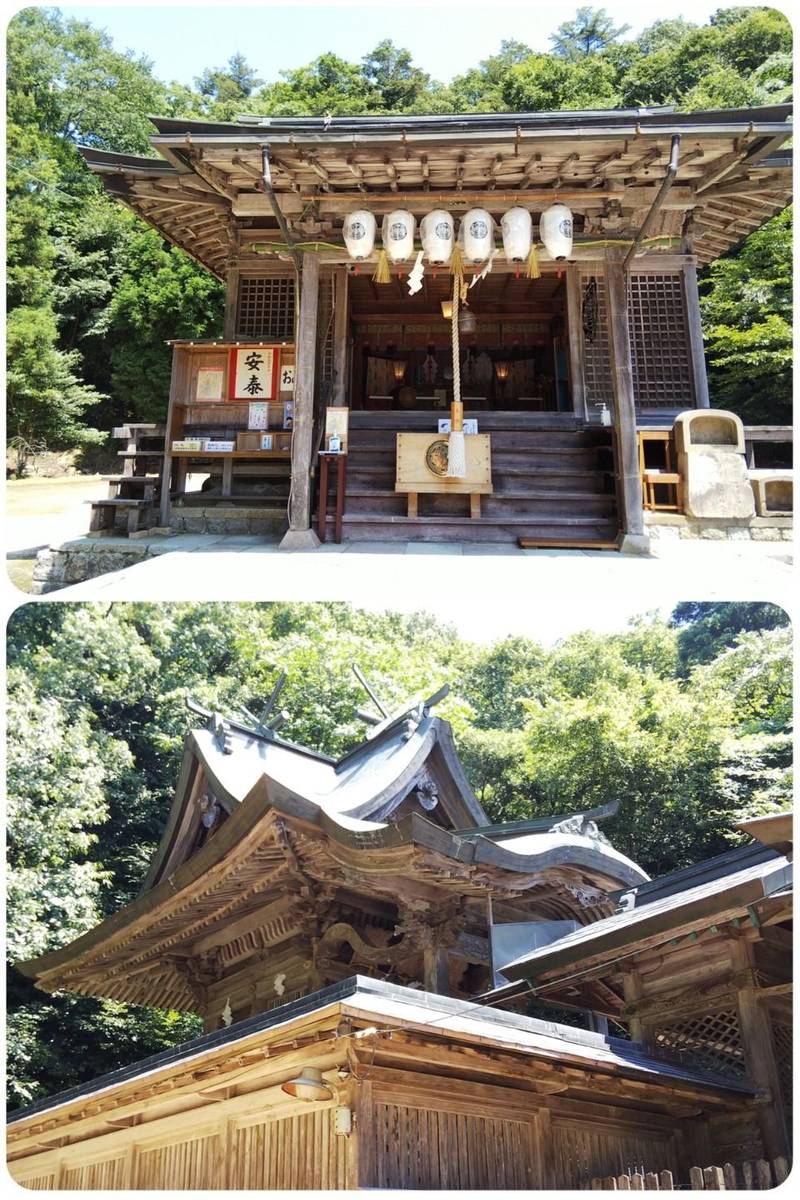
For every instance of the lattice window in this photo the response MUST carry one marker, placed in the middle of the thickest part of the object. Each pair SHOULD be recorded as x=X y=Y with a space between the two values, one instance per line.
x=711 y=1041
x=661 y=359
x=596 y=349
x=782 y=1038
x=265 y=308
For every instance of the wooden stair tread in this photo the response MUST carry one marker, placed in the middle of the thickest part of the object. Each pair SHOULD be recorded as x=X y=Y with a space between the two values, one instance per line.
x=140 y=454
x=120 y=502
x=154 y=479
x=528 y=519
x=564 y=544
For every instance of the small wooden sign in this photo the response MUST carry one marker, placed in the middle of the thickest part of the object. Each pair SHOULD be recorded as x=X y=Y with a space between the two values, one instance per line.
x=210 y=382
x=337 y=424
x=287 y=377
x=253 y=373
x=258 y=415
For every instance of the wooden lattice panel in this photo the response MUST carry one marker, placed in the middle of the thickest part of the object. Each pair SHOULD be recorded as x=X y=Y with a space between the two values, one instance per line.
x=325 y=338
x=660 y=354
x=596 y=348
x=265 y=308
x=710 y=1041
x=782 y=1038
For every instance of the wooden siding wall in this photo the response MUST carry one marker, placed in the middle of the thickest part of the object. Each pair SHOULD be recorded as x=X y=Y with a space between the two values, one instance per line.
x=292 y=1152
x=581 y=1151
x=427 y=1148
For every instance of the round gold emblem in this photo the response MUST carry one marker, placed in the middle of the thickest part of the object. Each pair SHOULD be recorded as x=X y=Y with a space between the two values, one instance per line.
x=436 y=457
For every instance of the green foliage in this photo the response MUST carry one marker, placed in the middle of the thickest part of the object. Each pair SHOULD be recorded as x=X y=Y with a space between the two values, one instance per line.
x=708 y=628
x=746 y=301
x=686 y=723
x=592 y=29
x=544 y=83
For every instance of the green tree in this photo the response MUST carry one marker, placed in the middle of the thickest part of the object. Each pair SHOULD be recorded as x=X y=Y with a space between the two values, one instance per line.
x=746 y=302
x=590 y=30
x=544 y=83
x=391 y=73
x=707 y=628
x=225 y=92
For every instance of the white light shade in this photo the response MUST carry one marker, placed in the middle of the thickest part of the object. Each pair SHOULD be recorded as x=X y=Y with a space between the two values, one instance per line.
x=359 y=234
x=516 y=226
x=477 y=235
x=555 y=230
x=308 y=1085
x=398 y=235
x=437 y=232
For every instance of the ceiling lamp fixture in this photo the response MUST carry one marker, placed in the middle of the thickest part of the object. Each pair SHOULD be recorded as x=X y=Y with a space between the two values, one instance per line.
x=399 y=369
x=501 y=370
x=308 y=1085
x=477 y=235
x=447 y=310
x=437 y=232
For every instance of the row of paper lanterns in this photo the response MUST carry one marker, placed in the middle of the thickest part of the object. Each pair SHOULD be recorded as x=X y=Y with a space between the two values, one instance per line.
x=475 y=235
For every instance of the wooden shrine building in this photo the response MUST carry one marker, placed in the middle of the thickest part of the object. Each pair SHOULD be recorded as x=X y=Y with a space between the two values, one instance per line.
x=559 y=359
x=362 y=942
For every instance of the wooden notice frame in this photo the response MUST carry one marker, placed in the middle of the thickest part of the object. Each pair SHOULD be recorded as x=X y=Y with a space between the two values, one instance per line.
x=210 y=384
x=337 y=421
x=253 y=373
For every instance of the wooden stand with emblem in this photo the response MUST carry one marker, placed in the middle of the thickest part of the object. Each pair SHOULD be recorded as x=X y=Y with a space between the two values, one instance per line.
x=422 y=467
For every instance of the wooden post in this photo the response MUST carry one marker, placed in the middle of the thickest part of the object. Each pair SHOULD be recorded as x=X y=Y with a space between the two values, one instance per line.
x=694 y=327
x=759 y=1052
x=165 y=506
x=435 y=968
x=340 y=332
x=575 y=341
x=629 y=493
x=231 y=301
x=301 y=536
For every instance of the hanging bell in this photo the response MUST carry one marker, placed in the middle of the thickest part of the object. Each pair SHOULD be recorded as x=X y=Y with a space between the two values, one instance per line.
x=398 y=235
x=477 y=235
x=555 y=230
x=359 y=234
x=437 y=232
x=516 y=226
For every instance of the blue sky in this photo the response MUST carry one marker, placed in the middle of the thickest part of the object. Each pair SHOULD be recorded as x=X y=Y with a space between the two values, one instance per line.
x=445 y=38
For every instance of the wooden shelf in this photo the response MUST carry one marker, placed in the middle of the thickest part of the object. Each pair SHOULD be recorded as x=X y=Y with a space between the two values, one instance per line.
x=212 y=454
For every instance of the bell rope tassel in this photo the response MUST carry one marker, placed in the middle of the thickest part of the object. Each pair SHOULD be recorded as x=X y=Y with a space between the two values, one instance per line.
x=457 y=261
x=382 y=272
x=456 y=446
x=533 y=263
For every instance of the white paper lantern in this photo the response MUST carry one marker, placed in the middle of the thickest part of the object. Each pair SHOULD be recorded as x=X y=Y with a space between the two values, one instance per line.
x=398 y=235
x=516 y=226
x=359 y=234
x=477 y=235
x=437 y=232
x=555 y=230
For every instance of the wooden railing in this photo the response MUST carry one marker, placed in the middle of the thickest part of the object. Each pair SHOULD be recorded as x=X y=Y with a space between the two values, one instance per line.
x=755 y=1176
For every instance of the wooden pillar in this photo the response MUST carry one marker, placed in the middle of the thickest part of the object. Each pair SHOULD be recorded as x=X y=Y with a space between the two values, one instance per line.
x=629 y=490
x=165 y=504
x=436 y=974
x=575 y=341
x=229 y=329
x=341 y=326
x=759 y=1052
x=300 y=535
x=694 y=329
x=632 y=991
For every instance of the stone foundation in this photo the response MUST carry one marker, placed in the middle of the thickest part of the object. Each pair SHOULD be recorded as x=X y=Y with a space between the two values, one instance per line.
x=663 y=526
x=73 y=562
x=228 y=518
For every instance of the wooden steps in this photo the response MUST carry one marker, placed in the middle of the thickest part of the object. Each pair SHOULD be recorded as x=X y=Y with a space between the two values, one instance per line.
x=135 y=493
x=553 y=484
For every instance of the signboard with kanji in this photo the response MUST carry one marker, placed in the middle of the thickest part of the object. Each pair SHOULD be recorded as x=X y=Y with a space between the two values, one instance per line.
x=253 y=373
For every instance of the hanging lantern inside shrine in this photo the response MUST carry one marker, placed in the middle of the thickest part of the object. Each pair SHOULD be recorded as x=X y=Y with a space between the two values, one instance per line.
x=477 y=235
x=516 y=226
x=398 y=235
x=555 y=230
x=437 y=232
x=359 y=234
